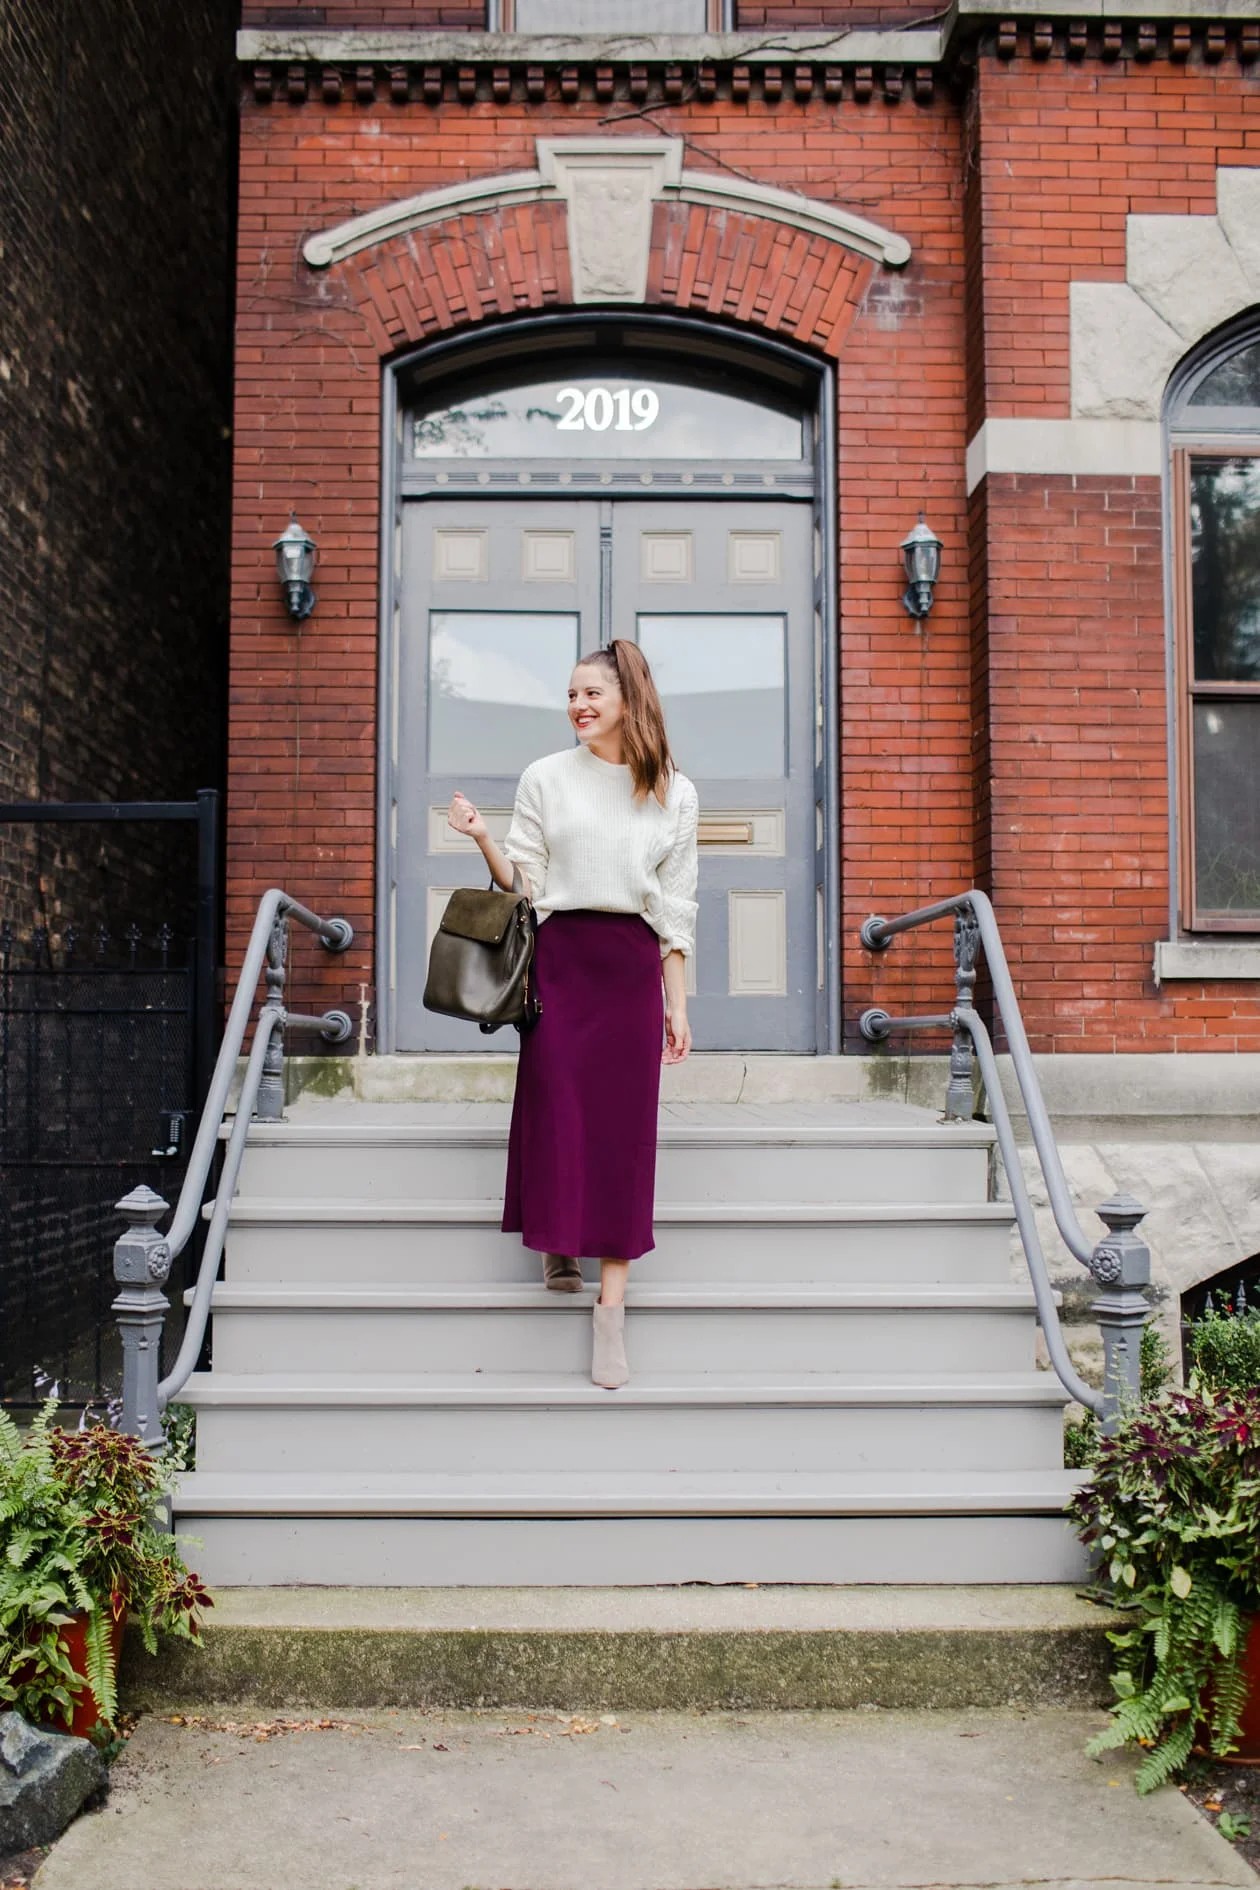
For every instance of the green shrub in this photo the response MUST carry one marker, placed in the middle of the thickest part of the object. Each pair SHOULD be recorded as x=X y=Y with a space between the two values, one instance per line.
x=1223 y=1349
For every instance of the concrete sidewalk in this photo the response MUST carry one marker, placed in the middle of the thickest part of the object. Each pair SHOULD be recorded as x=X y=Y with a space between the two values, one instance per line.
x=400 y=1800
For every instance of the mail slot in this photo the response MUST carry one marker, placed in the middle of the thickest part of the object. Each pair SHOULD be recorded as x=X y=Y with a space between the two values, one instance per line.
x=725 y=833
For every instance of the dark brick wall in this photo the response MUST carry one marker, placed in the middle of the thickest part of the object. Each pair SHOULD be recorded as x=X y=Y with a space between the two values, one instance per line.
x=116 y=189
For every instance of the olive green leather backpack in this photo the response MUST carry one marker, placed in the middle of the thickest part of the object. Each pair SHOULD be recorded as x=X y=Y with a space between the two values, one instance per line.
x=482 y=959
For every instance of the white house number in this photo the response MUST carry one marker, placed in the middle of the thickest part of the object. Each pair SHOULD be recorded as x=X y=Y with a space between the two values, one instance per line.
x=596 y=409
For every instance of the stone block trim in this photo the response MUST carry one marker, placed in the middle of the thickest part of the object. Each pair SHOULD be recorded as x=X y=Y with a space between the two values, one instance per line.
x=1184 y=276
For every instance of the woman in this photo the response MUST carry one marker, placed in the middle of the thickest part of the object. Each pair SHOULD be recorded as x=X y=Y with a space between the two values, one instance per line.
x=604 y=835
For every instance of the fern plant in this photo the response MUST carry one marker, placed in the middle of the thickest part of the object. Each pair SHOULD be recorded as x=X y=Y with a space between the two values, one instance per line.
x=80 y=1537
x=1173 y=1512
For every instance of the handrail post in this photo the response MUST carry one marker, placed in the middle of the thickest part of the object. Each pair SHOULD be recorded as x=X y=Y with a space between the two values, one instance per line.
x=1121 y=1264
x=960 y=1096
x=270 y=1105
x=142 y=1261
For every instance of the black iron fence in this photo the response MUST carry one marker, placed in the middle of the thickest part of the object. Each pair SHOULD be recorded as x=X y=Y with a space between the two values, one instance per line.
x=106 y=1041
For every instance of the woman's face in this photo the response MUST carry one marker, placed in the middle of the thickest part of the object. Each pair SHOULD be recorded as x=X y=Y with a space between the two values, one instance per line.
x=595 y=703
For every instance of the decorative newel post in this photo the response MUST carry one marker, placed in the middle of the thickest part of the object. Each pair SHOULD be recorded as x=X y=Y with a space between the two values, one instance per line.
x=1121 y=1264
x=142 y=1260
x=270 y=1106
x=960 y=1097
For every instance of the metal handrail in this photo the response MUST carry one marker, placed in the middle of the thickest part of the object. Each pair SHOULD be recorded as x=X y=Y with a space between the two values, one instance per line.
x=1120 y=1261
x=143 y=1257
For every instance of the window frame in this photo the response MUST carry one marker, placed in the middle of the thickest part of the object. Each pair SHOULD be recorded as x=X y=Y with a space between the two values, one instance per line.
x=1208 y=432
x=1189 y=692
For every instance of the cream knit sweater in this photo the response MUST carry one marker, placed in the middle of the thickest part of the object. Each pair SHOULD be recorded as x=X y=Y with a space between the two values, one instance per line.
x=587 y=844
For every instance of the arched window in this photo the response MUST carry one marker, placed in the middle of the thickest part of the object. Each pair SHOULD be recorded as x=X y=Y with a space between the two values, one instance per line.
x=1214 y=436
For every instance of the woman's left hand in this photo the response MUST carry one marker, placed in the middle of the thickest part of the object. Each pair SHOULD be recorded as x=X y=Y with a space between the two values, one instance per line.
x=677 y=1035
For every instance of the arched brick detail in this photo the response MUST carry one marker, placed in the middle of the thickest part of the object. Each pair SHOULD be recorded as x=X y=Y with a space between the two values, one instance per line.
x=468 y=270
x=806 y=288
x=711 y=261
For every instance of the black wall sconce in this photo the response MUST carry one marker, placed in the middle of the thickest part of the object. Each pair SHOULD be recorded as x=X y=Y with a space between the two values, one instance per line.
x=921 y=555
x=296 y=555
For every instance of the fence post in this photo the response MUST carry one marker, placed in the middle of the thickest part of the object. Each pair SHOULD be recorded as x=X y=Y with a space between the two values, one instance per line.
x=960 y=1097
x=1121 y=1264
x=270 y=1105
x=142 y=1261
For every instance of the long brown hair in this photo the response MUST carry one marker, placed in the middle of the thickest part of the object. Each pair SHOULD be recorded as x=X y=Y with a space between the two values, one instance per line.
x=643 y=739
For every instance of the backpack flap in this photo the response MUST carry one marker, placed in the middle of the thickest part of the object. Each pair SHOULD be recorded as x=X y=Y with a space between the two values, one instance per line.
x=484 y=917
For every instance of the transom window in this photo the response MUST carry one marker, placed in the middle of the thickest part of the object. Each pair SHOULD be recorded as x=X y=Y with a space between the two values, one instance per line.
x=621 y=410
x=1215 y=433
x=607 y=407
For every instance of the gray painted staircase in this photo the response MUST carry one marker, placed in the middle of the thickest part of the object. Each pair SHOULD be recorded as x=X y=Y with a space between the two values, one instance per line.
x=834 y=1375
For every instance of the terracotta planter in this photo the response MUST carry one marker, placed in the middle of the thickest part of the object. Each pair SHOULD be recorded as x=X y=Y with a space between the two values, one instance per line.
x=1248 y=1752
x=86 y=1718
x=1248 y=1749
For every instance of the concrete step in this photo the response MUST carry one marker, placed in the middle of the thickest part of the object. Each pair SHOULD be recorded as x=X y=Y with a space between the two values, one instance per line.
x=487 y=1074
x=768 y=1161
x=486 y=1423
x=593 y=1530
x=424 y=1241
x=634 y=1649
x=567 y=1493
x=696 y=1329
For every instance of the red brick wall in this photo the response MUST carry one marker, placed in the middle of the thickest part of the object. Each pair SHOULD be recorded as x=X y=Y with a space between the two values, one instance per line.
x=417 y=14
x=1068 y=152
x=750 y=15
x=1043 y=658
x=1077 y=723
x=309 y=344
x=797 y=16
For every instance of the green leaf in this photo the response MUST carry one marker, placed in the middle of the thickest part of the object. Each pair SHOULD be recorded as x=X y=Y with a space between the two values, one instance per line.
x=1181 y=1582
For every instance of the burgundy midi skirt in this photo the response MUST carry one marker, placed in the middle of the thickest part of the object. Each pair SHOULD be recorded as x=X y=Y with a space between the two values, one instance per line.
x=581 y=1170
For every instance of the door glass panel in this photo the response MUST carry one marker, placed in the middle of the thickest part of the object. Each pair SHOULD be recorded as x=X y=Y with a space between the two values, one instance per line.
x=722 y=679
x=623 y=413
x=1227 y=806
x=1225 y=562
x=497 y=688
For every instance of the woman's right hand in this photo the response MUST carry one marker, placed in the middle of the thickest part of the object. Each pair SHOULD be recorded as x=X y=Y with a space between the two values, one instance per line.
x=464 y=817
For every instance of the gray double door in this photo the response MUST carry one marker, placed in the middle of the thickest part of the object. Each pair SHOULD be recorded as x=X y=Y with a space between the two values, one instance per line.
x=497 y=600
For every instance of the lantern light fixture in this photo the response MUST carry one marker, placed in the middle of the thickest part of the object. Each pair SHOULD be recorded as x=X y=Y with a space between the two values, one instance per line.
x=296 y=555
x=921 y=555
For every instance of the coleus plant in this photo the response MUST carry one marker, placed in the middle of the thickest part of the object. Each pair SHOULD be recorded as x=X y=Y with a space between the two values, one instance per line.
x=81 y=1535
x=1173 y=1513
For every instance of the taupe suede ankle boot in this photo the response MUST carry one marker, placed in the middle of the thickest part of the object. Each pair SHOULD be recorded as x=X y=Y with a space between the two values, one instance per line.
x=561 y=1274
x=608 y=1366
